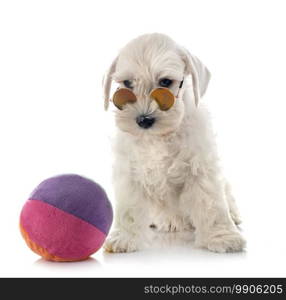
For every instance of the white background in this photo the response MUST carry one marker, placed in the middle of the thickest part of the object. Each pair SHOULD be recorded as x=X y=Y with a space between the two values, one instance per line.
x=52 y=58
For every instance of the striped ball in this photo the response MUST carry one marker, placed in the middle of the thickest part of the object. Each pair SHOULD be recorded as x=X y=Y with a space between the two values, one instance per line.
x=66 y=218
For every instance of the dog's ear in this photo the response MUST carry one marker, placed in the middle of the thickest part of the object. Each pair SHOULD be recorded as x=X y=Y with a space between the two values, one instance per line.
x=106 y=82
x=200 y=74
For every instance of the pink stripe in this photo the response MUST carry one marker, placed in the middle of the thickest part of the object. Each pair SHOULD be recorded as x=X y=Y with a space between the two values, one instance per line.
x=60 y=233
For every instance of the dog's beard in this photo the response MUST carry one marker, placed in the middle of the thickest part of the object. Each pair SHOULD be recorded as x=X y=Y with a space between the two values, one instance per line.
x=166 y=122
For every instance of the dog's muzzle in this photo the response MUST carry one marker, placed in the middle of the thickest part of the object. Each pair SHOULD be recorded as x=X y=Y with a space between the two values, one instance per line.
x=145 y=121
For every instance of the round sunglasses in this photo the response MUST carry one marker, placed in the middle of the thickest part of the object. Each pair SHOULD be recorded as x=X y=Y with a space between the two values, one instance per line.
x=163 y=96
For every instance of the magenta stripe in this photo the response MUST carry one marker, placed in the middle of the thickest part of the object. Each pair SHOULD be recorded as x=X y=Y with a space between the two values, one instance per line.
x=60 y=233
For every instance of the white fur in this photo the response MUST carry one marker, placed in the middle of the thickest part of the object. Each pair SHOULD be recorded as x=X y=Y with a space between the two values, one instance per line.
x=167 y=175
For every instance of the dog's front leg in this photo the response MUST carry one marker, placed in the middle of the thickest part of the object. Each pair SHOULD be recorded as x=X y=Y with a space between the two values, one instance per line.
x=131 y=220
x=204 y=198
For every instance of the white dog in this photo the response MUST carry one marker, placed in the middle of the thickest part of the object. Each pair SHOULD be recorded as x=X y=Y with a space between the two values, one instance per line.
x=166 y=174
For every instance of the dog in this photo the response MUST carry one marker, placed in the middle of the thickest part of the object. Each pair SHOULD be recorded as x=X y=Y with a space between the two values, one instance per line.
x=166 y=174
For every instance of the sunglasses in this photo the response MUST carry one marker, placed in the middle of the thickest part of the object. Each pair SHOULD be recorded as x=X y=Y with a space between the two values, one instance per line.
x=163 y=96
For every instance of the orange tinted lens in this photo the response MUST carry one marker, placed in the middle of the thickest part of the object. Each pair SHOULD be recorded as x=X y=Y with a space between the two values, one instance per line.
x=164 y=97
x=122 y=97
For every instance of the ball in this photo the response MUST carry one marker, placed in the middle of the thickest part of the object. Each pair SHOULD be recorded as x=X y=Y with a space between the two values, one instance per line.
x=66 y=218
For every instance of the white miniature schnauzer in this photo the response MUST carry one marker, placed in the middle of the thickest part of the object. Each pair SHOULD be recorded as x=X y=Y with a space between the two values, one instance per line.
x=166 y=173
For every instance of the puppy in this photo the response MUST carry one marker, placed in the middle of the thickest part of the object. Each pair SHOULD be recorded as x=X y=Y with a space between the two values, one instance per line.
x=166 y=171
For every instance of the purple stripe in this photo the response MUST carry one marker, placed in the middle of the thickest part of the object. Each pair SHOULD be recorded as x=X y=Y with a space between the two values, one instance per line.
x=78 y=196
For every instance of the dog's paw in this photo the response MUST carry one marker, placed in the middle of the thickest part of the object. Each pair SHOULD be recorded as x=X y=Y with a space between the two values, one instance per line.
x=118 y=242
x=226 y=242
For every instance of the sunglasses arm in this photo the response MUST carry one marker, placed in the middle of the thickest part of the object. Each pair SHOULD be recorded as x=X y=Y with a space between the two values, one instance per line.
x=180 y=87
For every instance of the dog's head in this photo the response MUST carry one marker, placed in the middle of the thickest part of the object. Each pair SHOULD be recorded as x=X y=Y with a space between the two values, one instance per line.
x=146 y=63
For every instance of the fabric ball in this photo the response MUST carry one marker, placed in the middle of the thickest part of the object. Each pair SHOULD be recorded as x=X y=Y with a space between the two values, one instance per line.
x=66 y=218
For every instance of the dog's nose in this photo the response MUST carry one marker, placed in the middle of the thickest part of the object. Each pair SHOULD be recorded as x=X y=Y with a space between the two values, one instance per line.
x=145 y=121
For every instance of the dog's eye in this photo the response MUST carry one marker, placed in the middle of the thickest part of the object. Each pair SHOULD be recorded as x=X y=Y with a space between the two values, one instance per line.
x=165 y=82
x=128 y=84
